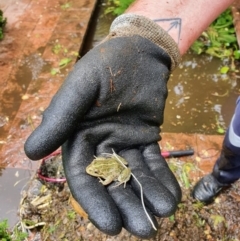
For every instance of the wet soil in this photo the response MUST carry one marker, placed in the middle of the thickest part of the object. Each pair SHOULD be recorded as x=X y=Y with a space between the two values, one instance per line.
x=48 y=212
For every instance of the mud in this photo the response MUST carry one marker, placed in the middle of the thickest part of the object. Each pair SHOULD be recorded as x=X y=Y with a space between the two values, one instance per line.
x=46 y=211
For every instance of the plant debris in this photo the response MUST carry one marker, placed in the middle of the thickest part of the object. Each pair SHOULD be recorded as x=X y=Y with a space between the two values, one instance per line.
x=46 y=210
x=3 y=22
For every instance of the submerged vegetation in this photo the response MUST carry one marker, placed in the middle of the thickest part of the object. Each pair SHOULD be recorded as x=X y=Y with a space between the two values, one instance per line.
x=117 y=7
x=3 y=22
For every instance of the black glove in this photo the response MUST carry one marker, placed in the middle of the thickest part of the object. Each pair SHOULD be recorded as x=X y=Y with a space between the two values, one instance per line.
x=114 y=99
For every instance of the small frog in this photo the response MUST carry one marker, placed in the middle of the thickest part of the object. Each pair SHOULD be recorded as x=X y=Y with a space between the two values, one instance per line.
x=111 y=168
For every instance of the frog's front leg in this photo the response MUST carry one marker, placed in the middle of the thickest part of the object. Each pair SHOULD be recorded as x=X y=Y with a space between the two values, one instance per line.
x=107 y=181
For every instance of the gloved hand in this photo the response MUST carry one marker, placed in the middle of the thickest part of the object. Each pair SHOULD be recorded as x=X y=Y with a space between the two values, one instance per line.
x=114 y=99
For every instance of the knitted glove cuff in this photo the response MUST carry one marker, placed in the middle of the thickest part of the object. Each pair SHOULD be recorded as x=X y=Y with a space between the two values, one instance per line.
x=131 y=24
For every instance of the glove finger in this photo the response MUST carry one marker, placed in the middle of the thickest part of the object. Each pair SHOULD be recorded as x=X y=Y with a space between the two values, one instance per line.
x=134 y=218
x=67 y=107
x=157 y=197
x=159 y=167
x=87 y=190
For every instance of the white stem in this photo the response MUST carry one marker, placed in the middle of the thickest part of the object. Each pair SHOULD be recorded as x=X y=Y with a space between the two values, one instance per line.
x=141 y=191
x=143 y=204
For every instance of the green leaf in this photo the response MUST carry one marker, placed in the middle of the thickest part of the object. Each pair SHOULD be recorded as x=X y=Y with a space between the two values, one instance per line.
x=198 y=47
x=4 y=234
x=220 y=130
x=185 y=179
x=227 y=38
x=64 y=62
x=3 y=22
x=71 y=214
x=217 y=219
x=54 y=71
x=219 y=39
x=224 y=69
x=171 y=218
x=118 y=6
x=214 y=52
x=109 y=10
x=75 y=53
x=236 y=54
x=66 y=6
x=56 y=48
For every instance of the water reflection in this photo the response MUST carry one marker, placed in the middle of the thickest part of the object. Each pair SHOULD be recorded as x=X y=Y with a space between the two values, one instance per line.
x=12 y=182
x=219 y=117
x=195 y=89
x=178 y=89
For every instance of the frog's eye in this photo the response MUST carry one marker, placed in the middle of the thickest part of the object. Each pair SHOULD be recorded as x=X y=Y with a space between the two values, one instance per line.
x=95 y=170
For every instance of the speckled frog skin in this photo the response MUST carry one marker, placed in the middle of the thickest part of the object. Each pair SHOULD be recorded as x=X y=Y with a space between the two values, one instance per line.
x=110 y=169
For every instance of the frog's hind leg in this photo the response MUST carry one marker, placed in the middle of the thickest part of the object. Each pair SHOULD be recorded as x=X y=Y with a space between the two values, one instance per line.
x=124 y=177
x=106 y=181
x=120 y=183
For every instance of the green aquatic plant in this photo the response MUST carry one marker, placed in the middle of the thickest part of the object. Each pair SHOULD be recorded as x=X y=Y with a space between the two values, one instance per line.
x=66 y=6
x=4 y=233
x=15 y=235
x=62 y=64
x=220 y=128
x=3 y=22
x=219 y=39
x=117 y=7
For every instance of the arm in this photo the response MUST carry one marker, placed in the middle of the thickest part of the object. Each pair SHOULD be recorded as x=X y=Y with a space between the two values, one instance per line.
x=184 y=20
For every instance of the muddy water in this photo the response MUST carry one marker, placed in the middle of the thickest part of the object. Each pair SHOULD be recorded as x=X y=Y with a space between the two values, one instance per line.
x=12 y=182
x=29 y=69
x=200 y=98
